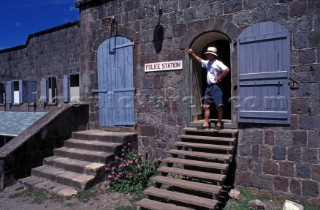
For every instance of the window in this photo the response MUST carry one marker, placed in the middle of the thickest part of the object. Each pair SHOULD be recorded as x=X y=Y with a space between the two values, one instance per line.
x=16 y=94
x=71 y=88
x=48 y=90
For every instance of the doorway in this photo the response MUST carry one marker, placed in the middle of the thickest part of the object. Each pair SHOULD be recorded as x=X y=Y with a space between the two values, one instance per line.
x=115 y=82
x=198 y=77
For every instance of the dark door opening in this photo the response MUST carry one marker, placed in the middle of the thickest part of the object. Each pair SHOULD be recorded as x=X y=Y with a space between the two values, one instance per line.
x=223 y=47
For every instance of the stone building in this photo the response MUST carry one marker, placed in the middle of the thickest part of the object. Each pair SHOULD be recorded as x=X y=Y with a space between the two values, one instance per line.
x=128 y=60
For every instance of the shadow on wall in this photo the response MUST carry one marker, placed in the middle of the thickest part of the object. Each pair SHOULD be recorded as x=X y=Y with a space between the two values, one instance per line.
x=158 y=34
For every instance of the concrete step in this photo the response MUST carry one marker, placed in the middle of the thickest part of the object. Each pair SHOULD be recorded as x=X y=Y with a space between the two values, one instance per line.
x=156 y=205
x=45 y=185
x=203 y=146
x=107 y=136
x=92 y=145
x=181 y=197
x=191 y=173
x=86 y=155
x=210 y=139
x=190 y=185
x=196 y=163
x=205 y=155
x=74 y=165
x=58 y=175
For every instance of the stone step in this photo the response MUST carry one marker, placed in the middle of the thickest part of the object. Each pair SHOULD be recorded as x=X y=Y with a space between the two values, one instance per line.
x=190 y=185
x=191 y=173
x=74 y=165
x=208 y=138
x=107 y=136
x=210 y=156
x=86 y=155
x=45 y=185
x=203 y=146
x=181 y=197
x=210 y=131
x=92 y=145
x=156 y=205
x=196 y=163
x=71 y=179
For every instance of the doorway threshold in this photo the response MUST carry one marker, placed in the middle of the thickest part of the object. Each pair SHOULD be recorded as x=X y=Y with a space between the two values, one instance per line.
x=227 y=123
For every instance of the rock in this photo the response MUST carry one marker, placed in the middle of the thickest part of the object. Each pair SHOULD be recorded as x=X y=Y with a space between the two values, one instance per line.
x=289 y=205
x=235 y=195
x=257 y=205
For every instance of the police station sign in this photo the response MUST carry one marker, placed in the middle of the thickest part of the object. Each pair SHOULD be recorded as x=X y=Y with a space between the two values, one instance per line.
x=163 y=66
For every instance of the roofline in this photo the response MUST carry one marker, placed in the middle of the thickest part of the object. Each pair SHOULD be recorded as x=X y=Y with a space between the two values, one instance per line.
x=82 y=3
x=40 y=33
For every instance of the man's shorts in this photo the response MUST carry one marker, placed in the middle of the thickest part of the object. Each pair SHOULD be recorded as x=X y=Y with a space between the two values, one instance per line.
x=213 y=94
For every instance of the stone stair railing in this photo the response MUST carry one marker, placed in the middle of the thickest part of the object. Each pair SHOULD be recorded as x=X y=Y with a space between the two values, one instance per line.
x=79 y=164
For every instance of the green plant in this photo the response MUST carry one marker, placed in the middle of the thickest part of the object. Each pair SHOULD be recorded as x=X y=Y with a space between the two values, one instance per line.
x=130 y=172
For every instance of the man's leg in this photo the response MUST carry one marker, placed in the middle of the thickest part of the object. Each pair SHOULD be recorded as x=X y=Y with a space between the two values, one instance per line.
x=220 y=114
x=206 y=109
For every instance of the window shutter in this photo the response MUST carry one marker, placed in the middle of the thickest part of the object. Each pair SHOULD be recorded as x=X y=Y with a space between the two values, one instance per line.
x=66 y=87
x=32 y=91
x=264 y=69
x=23 y=91
x=9 y=92
x=43 y=90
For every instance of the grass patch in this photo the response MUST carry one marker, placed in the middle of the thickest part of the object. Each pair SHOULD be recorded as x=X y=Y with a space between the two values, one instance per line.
x=37 y=197
x=86 y=195
x=247 y=195
x=136 y=197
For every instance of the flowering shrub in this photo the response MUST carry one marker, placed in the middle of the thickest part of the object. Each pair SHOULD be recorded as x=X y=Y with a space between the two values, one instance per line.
x=129 y=172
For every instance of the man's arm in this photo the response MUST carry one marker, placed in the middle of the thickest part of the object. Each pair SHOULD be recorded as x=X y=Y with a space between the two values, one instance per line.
x=190 y=51
x=223 y=74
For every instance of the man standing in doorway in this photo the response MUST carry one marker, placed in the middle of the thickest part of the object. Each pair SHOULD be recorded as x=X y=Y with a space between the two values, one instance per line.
x=216 y=71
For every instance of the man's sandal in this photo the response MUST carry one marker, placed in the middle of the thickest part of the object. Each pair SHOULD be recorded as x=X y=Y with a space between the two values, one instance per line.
x=218 y=127
x=203 y=127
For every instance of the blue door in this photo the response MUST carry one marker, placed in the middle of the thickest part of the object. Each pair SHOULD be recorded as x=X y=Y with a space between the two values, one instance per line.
x=115 y=82
x=263 y=75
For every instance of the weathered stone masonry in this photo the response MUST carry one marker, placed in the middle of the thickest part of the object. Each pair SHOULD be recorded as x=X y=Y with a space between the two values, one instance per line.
x=283 y=159
x=52 y=52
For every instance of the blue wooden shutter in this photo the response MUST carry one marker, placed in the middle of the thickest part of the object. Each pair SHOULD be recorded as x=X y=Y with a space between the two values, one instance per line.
x=66 y=87
x=9 y=92
x=44 y=90
x=23 y=91
x=32 y=91
x=263 y=75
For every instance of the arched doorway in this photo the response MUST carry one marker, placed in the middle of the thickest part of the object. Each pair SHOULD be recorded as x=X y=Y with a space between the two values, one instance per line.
x=199 y=46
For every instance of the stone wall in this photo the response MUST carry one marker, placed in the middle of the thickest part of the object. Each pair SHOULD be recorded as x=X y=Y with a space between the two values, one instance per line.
x=28 y=149
x=52 y=52
x=285 y=159
x=281 y=159
x=275 y=158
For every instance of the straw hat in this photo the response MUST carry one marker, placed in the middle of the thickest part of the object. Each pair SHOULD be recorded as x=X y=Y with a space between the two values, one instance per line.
x=212 y=50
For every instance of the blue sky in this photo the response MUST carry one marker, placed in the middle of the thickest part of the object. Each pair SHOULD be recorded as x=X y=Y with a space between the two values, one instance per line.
x=19 y=18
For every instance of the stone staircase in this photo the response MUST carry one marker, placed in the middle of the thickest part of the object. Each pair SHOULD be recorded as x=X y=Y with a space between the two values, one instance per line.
x=196 y=173
x=79 y=164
